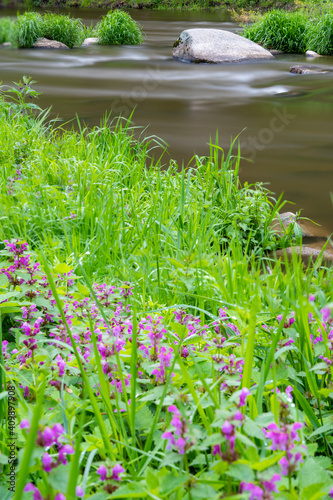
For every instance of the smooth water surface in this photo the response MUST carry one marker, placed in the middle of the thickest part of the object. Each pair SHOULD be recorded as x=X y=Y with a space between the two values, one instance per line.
x=285 y=120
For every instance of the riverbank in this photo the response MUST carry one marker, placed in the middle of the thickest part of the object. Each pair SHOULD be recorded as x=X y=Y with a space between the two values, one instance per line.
x=256 y=5
x=153 y=348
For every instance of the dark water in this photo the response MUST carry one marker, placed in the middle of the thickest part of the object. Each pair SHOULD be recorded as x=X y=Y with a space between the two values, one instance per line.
x=285 y=120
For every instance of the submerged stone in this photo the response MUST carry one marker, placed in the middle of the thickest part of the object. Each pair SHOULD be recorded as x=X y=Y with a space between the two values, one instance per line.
x=44 y=43
x=217 y=46
x=90 y=41
x=302 y=69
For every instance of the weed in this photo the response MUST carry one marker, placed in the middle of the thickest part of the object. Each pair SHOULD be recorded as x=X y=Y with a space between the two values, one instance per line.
x=118 y=28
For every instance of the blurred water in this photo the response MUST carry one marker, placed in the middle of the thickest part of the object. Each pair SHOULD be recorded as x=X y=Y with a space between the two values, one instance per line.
x=285 y=120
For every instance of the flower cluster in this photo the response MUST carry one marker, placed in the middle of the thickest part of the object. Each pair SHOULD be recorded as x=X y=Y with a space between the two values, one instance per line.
x=178 y=437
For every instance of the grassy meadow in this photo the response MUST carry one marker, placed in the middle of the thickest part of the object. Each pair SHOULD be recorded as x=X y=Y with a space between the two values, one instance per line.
x=151 y=345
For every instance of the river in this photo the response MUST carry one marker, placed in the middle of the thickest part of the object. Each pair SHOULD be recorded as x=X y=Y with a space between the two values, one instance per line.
x=284 y=120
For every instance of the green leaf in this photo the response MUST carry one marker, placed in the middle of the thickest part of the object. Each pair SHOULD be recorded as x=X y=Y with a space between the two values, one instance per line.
x=62 y=269
x=241 y=472
x=268 y=462
x=130 y=490
x=59 y=477
x=171 y=482
x=143 y=418
x=311 y=474
x=83 y=289
x=327 y=428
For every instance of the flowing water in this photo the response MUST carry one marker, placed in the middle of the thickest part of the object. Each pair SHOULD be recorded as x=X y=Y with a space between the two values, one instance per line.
x=285 y=120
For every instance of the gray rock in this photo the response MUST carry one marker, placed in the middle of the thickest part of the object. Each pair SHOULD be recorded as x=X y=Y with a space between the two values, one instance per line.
x=276 y=52
x=6 y=44
x=310 y=230
x=308 y=254
x=90 y=41
x=311 y=53
x=308 y=70
x=217 y=46
x=44 y=43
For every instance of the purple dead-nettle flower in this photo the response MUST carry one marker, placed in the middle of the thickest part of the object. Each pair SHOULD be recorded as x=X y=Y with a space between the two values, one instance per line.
x=25 y=424
x=312 y=298
x=103 y=473
x=26 y=391
x=126 y=291
x=61 y=364
x=244 y=393
x=289 y=463
x=262 y=492
x=65 y=450
x=116 y=471
x=5 y=354
x=326 y=314
x=178 y=437
x=331 y=493
x=36 y=493
x=60 y=496
x=164 y=357
x=47 y=462
x=79 y=492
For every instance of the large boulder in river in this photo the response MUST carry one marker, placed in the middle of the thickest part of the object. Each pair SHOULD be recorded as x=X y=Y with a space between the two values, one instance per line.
x=45 y=43
x=216 y=46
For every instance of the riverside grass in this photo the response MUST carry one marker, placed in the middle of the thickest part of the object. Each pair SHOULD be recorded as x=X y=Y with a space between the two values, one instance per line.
x=115 y=28
x=294 y=32
x=150 y=359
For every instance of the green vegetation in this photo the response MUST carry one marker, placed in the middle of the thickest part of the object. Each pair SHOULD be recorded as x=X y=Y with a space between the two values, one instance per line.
x=293 y=32
x=154 y=351
x=29 y=27
x=118 y=28
x=64 y=29
x=280 y=30
x=320 y=35
x=7 y=30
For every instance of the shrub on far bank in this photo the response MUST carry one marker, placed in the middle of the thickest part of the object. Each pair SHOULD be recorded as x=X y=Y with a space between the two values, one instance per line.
x=280 y=30
x=7 y=30
x=320 y=35
x=29 y=27
x=118 y=28
x=64 y=29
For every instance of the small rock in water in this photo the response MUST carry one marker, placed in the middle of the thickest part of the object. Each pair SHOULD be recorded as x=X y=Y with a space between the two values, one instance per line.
x=6 y=44
x=90 y=41
x=311 y=53
x=308 y=70
x=44 y=43
x=201 y=45
x=276 y=52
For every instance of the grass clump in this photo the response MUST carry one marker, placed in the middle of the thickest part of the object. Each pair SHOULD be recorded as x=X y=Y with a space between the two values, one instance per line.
x=280 y=30
x=29 y=27
x=7 y=30
x=118 y=28
x=64 y=29
x=320 y=35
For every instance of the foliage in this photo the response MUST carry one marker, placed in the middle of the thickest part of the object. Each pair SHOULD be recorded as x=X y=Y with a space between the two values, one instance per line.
x=7 y=30
x=118 y=28
x=64 y=29
x=320 y=35
x=181 y=369
x=29 y=27
x=285 y=31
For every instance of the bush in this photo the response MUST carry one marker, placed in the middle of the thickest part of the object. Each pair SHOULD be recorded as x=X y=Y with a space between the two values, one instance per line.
x=280 y=30
x=118 y=28
x=320 y=35
x=29 y=28
x=7 y=30
x=64 y=29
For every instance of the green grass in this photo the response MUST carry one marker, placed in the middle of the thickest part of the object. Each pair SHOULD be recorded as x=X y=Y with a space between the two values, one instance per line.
x=280 y=30
x=64 y=29
x=29 y=27
x=294 y=32
x=320 y=35
x=7 y=30
x=118 y=28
